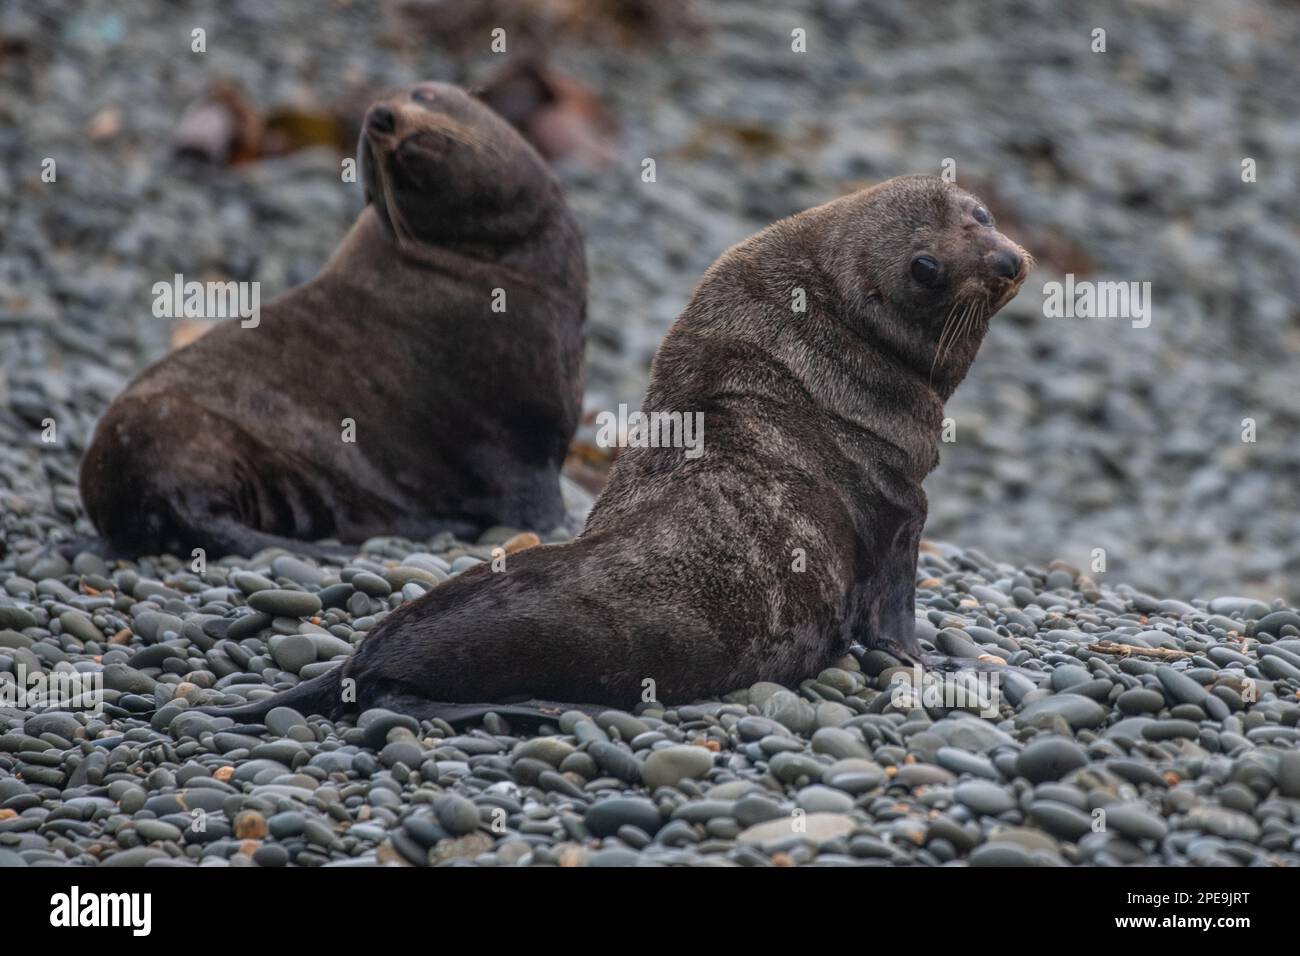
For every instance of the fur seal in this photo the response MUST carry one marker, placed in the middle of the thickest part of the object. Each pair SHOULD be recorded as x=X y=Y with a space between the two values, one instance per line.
x=820 y=426
x=462 y=413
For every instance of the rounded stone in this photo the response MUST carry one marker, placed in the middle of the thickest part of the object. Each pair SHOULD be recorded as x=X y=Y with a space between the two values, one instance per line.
x=670 y=765
x=1050 y=758
x=284 y=603
x=604 y=817
x=292 y=652
x=984 y=798
x=456 y=813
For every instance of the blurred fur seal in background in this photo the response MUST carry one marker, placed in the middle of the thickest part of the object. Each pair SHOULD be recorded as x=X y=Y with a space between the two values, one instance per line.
x=819 y=427
x=462 y=414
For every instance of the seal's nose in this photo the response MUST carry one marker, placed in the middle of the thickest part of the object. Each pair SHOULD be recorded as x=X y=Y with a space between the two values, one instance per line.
x=381 y=119
x=1005 y=264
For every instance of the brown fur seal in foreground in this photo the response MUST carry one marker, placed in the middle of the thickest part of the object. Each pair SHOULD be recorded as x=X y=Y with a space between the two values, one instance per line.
x=462 y=414
x=820 y=427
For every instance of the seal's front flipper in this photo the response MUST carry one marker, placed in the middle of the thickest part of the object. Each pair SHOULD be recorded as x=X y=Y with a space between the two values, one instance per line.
x=219 y=537
x=226 y=536
x=892 y=620
x=89 y=544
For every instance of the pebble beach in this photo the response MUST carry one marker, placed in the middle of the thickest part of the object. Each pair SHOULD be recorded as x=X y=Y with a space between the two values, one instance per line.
x=1152 y=712
x=1083 y=755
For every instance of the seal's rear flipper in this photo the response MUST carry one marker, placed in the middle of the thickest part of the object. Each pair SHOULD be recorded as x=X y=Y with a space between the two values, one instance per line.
x=522 y=715
x=526 y=715
x=320 y=695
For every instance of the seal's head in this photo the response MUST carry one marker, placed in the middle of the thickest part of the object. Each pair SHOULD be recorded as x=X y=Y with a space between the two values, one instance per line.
x=923 y=268
x=440 y=166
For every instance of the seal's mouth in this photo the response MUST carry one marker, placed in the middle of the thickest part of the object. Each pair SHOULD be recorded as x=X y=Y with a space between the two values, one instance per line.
x=981 y=299
x=380 y=147
x=1008 y=269
x=967 y=316
x=381 y=124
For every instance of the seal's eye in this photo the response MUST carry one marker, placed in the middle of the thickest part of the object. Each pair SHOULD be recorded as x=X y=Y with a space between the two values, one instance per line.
x=982 y=216
x=925 y=270
x=423 y=96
